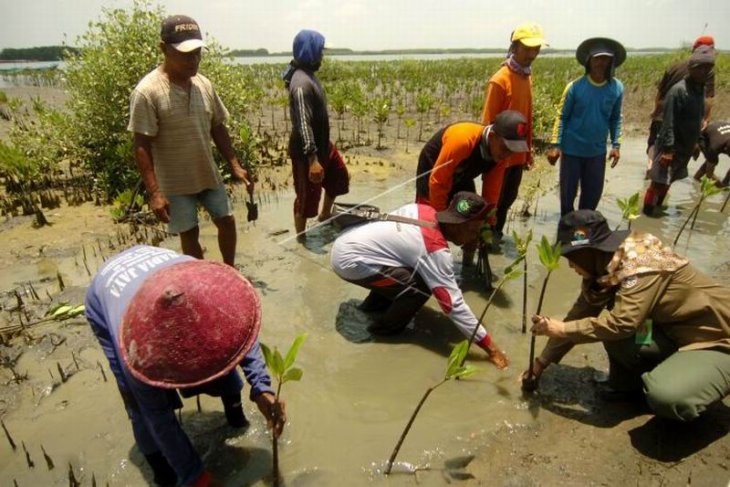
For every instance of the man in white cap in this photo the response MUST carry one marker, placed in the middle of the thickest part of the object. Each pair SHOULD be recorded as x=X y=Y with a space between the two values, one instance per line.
x=167 y=321
x=174 y=113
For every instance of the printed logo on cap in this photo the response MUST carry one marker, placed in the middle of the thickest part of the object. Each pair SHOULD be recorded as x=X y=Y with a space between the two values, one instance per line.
x=581 y=236
x=522 y=129
x=463 y=207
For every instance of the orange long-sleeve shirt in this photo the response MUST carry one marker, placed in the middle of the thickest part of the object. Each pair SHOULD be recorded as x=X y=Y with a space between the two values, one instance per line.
x=506 y=90
x=450 y=156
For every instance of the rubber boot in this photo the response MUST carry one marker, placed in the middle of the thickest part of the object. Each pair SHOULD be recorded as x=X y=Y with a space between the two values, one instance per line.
x=164 y=475
x=374 y=302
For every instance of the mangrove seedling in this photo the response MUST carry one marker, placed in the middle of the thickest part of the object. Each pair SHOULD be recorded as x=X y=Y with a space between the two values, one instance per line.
x=707 y=189
x=629 y=209
x=283 y=370
x=522 y=246
x=486 y=238
x=510 y=273
x=454 y=370
x=550 y=259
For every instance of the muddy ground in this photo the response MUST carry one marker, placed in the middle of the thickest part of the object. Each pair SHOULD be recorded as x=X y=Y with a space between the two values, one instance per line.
x=565 y=435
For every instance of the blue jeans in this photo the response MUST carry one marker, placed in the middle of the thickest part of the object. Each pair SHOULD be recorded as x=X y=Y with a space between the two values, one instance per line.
x=590 y=173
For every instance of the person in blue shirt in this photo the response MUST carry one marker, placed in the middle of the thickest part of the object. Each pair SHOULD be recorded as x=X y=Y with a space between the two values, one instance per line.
x=589 y=112
x=166 y=321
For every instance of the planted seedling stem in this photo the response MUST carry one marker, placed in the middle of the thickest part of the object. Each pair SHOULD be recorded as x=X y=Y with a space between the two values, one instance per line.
x=509 y=274
x=708 y=189
x=550 y=259
x=454 y=370
x=283 y=370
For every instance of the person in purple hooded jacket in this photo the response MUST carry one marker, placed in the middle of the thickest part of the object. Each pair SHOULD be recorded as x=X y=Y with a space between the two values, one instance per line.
x=316 y=162
x=167 y=321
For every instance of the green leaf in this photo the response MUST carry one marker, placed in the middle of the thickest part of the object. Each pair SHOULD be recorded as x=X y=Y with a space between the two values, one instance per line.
x=522 y=244
x=293 y=374
x=629 y=207
x=268 y=356
x=291 y=355
x=514 y=264
x=61 y=310
x=708 y=187
x=465 y=371
x=279 y=367
x=76 y=310
x=55 y=307
x=456 y=358
x=513 y=274
x=549 y=255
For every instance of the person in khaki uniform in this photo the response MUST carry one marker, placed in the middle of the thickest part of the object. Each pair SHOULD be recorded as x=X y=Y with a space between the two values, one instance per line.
x=667 y=329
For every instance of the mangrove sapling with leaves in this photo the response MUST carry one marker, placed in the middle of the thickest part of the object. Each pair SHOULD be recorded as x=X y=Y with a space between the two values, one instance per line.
x=629 y=209
x=283 y=370
x=522 y=245
x=550 y=259
x=707 y=189
x=454 y=370
x=510 y=273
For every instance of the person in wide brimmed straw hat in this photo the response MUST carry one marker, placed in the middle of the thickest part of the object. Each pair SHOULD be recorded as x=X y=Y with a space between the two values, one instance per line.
x=664 y=324
x=589 y=113
x=403 y=264
x=168 y=322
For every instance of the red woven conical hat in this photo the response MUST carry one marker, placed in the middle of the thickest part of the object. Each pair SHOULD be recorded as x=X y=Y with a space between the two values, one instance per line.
x=188 y=324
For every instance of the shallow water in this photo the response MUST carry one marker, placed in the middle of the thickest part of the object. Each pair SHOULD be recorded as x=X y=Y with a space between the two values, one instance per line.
x=357 y=392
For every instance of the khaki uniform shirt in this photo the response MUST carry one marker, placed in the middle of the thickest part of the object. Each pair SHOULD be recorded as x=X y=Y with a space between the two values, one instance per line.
x=691 y=309
x=179 y=123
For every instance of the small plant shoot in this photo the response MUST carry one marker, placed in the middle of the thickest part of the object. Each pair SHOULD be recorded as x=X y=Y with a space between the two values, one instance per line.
x=629 y=209
x=283 y=370
x=454 y=370
x=550 y=259
x=522 y=245
x=707 y=189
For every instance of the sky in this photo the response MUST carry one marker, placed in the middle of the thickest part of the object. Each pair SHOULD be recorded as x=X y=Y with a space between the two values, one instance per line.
x=391 y=24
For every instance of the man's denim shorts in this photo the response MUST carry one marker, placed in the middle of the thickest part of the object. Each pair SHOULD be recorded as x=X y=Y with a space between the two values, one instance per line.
x=184 y=208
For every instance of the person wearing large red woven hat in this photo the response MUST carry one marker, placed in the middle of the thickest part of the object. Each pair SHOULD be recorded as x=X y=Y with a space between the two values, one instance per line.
x=165 y=322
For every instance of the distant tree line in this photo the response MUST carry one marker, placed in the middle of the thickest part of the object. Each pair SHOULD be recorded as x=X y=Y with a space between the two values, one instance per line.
x=459 y=50
x=43 y=53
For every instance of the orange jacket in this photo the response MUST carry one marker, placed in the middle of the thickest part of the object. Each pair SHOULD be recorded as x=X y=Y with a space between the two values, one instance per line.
x=452 y=155
x=507 y=90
